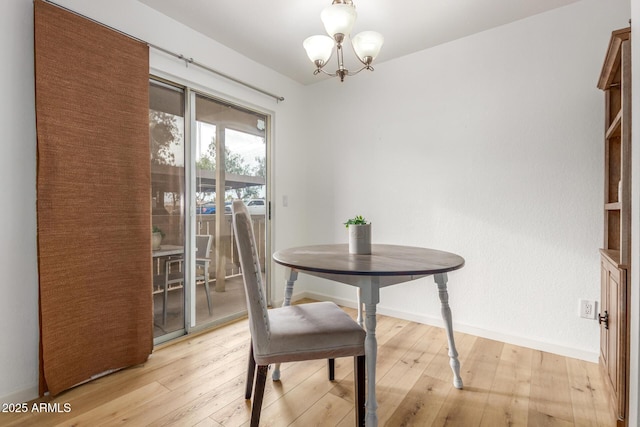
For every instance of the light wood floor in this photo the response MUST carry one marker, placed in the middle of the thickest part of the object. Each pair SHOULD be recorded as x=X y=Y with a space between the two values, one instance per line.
x=200 y=382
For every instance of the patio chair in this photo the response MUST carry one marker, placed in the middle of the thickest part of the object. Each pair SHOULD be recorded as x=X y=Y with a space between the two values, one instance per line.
x=170 y=279
x=294 y=333
x=174 y=273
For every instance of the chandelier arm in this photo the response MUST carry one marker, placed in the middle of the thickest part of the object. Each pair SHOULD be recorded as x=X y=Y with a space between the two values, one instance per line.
x=320 y=70
x=366 y=67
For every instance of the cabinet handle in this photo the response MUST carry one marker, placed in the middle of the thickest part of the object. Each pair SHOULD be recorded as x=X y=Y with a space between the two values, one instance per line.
x=604 y=319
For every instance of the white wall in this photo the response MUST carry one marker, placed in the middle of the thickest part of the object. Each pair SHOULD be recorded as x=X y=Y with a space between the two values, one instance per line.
x=18 y=262
x=491 y=147
x=18 y=305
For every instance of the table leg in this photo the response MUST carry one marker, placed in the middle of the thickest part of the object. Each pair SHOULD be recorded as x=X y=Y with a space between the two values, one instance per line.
x=292 y=276
x=371 y=297
x=359 y=305
x=371 y=353
x=441 y=281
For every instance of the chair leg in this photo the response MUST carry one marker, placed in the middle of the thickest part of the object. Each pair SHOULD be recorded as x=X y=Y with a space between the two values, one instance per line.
x=164 y=305
x=358 y=373
x=331 y=365
x=205 y=273
x=251 y=371
x=206 y=288
x=261 y=380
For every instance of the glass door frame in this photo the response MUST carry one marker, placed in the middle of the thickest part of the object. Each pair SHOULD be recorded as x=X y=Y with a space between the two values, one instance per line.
x=190 y=91
x=159 y=81
x=190 y=211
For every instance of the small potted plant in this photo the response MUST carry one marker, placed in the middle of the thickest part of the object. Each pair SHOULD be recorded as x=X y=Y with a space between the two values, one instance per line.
x=359 y=235
x=156 y=237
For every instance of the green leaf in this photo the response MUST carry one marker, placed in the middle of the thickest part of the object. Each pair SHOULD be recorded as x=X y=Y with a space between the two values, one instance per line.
x=357 y=220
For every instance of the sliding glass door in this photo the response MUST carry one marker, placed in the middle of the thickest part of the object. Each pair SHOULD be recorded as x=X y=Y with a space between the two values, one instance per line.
x=205 y=153
x=230 y=164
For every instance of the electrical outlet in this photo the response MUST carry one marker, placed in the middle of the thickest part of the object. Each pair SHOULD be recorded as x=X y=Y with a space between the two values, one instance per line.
x=587 y=309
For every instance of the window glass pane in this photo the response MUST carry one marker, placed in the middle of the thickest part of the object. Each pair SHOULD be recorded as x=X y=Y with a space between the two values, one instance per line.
x=230 y=164
x=166 y=138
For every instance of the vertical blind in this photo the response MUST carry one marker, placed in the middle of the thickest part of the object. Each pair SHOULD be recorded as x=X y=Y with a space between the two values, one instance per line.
x=93 y=184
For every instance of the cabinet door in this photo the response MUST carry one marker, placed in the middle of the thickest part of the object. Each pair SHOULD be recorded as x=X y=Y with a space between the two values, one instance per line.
x=613 y=287
x=619 y=281
x=613 y=340
x=604 y=308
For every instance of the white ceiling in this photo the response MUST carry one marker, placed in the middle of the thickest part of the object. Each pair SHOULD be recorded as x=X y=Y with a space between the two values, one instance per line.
x=271 y=32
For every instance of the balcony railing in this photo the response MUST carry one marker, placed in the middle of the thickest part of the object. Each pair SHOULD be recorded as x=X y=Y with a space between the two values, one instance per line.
x=225 y=252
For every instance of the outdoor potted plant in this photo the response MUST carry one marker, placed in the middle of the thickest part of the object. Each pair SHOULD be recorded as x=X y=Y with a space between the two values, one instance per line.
x=156 y=237
x=359 y=235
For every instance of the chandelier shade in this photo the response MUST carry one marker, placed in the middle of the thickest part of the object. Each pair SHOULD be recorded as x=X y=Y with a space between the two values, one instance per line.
x=319 y=48
x=367 y=44
x=339 y=19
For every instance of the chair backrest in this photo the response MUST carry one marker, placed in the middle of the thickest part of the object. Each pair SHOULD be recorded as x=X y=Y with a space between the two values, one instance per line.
x=251 y=275
x=203 y=246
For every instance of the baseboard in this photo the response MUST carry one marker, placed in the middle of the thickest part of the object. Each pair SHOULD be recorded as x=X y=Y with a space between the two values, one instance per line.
x=21 y=396
x=464 y=328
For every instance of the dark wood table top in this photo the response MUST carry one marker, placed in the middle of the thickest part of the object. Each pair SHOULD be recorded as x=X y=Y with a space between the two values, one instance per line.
x=385 y=260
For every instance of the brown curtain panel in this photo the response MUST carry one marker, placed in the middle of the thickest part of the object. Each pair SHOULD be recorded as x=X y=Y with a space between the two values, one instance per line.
x=94 y=219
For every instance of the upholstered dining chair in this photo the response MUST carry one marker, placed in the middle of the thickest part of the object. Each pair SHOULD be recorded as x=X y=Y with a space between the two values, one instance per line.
x=295 y=333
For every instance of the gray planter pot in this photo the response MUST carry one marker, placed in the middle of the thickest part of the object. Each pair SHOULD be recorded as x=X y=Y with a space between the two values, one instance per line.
x=360 y=239
x=156 y=240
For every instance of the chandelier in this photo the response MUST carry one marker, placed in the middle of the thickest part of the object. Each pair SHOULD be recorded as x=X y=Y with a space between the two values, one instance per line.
x=338 y=20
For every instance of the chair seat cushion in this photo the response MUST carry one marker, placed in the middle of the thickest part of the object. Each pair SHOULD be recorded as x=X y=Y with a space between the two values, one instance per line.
x=310 y=331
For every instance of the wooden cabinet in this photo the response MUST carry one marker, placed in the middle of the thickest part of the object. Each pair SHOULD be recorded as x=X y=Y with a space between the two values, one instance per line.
x=615 y=81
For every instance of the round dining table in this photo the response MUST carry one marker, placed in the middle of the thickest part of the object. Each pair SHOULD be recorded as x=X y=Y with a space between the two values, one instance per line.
x=386 y=265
